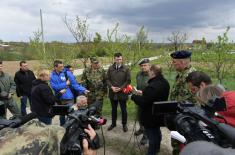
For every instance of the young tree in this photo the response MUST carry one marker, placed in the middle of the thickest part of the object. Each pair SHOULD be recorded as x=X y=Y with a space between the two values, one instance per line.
x=220 y=55
x=79 y=30
x=216 y=56
x=132 y=48
x=177 y=39
x=54 y=50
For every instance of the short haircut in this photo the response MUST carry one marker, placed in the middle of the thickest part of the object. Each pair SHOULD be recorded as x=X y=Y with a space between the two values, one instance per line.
x=156 y=69
x=22 y=62
x=57 y=62
x=197 y=77
x=41 y=72
x=80 y=97
x=117 y=54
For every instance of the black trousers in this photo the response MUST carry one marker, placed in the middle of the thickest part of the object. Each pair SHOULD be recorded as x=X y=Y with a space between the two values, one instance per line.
x=123 y=110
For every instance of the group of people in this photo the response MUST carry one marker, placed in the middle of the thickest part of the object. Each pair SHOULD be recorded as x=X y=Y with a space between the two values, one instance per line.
x=152 y=86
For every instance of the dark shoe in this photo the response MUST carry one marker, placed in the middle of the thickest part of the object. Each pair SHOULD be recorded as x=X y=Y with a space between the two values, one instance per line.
x=144 y=140
x=111 y=127
x=125 y=129
x=138 y=132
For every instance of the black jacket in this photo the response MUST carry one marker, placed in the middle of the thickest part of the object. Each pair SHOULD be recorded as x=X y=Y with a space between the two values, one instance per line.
x=23 y=82
x=42 y=98
x=157 y=90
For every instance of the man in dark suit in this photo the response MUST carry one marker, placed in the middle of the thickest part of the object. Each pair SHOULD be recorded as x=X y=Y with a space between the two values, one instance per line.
x=118 y=77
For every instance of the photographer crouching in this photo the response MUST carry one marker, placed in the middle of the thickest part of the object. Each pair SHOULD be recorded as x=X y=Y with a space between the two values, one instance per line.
x=157 y=90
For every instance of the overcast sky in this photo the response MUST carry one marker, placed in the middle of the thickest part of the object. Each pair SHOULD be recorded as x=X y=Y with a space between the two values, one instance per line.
x=199 y=18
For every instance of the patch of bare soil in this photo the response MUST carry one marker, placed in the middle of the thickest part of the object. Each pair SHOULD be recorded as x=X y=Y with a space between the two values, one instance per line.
x=125 y=143
x=11 y=67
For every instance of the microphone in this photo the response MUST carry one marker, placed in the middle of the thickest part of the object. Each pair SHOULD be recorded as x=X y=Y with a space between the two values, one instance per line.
x=99 y=121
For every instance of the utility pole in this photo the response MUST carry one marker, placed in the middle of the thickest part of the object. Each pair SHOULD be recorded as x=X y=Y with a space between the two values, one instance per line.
x=44 y=50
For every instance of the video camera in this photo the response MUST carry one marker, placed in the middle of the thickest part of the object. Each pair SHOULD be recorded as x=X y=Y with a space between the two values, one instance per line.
x=196 y=123
x=75 y=124
x=77 y=121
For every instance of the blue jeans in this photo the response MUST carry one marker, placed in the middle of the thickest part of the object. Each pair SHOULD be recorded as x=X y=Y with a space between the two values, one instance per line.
x=62 y=120
x=46 y=120
x=155 y=137
x=23 y=105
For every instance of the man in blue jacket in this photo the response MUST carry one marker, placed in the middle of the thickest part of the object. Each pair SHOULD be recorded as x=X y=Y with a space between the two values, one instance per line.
x=62 y=81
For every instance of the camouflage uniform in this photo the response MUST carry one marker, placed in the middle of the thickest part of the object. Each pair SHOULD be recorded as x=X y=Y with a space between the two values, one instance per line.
x=95 y=82
x=32 y=138
x=180 y=91
x=7 y=85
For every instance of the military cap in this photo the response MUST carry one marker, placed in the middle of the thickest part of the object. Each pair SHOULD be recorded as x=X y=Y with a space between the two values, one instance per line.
x=94 y=60
x=181 y=54
x=144 y=61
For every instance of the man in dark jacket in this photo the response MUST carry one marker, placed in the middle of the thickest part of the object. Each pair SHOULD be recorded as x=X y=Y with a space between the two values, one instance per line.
x=23 y=79
x=157 y=90
x=118 y=77
x=43 y=97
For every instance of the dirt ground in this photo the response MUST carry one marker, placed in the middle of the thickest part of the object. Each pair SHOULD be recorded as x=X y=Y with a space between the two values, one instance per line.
x=125 y=143
x=11 y=67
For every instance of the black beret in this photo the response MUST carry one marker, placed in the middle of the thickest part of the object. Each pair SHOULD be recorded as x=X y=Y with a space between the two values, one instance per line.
x=144 y=61
x=94 y=60
x=181 y=54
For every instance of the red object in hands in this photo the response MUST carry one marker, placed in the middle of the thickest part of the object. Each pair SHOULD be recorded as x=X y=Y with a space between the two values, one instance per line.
x=128 y=89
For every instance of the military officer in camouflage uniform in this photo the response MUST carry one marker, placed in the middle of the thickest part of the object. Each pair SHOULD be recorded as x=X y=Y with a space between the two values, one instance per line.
x=142 y=78
x=181 y=61
x=7 y=90
x=94 y=79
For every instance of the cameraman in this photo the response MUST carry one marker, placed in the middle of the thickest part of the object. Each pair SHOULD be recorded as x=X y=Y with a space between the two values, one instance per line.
x=156 y=90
